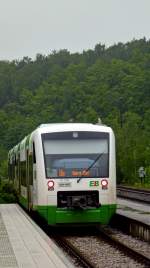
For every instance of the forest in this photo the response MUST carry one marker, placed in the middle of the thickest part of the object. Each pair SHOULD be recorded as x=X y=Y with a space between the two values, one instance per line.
x=112 y=83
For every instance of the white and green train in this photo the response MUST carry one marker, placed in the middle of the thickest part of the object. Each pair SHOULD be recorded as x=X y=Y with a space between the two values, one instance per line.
x=66 y=172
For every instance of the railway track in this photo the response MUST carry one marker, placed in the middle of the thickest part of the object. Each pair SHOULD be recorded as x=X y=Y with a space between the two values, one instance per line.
x=102 y=249
x=134 y=194
x=80 y=259
x=126 y=249
x=98 y=247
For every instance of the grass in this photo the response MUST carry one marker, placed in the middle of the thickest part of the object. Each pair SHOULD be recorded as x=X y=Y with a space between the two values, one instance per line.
x=142 y=185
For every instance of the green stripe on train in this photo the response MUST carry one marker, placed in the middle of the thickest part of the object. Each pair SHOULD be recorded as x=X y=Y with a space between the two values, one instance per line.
x=53 y=215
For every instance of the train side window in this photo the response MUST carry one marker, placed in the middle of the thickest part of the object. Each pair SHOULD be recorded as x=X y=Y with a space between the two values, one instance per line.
x=34 y=156
x=30 y=170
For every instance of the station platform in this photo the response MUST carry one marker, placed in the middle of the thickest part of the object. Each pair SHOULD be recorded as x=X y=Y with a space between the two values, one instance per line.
x=24 y=244
x=134 y=210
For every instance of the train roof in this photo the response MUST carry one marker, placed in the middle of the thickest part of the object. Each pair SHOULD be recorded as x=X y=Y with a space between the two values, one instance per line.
x=57 y=127
x=63 y=127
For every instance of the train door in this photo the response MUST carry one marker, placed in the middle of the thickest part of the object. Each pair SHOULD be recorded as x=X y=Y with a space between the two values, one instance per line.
x=27 y=178
x=34 y=176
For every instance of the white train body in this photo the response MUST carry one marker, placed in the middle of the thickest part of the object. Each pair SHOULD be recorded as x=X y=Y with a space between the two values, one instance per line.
x=67 y=172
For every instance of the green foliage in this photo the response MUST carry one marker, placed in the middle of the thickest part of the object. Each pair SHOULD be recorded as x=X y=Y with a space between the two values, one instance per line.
x=112 y=83
x=3 y=170
x=7 y=192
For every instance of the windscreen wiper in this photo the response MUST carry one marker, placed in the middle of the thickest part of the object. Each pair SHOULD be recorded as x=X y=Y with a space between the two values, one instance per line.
x=84 y=172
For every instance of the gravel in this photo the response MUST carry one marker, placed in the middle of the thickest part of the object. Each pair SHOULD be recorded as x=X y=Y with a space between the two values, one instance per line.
x=133 y=242
x=101 y=253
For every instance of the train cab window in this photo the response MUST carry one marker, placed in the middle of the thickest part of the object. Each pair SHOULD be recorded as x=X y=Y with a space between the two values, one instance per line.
x=71 y=156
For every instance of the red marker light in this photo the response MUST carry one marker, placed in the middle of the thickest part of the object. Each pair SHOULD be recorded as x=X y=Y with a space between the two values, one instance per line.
x=50 y=184
x=104 y=183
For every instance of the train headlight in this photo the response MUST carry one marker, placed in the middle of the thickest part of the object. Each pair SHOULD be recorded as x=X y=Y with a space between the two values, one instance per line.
x=104 y=184
x=50 y=185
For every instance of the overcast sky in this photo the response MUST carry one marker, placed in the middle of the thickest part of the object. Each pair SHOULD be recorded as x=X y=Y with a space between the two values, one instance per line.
x=28 y=27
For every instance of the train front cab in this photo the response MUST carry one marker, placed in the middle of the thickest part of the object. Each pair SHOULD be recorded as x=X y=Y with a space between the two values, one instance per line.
x=54 y=213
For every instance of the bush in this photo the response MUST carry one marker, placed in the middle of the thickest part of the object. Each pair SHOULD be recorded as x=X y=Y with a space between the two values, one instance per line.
x=7 y=193
x=8 y=198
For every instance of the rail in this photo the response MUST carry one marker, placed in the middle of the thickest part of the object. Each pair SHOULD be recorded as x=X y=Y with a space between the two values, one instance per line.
x=104 y=233
x=80 y=258
x=134 y=194
x=127 y=250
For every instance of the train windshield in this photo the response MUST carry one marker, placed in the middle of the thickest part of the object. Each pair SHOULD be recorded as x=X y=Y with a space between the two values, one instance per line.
x=70 y=154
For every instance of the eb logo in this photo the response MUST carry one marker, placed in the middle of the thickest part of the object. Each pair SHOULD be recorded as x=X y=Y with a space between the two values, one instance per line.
x=94 y=183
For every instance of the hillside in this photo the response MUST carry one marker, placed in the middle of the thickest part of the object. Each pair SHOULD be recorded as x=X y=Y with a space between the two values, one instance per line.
x=112 y=83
